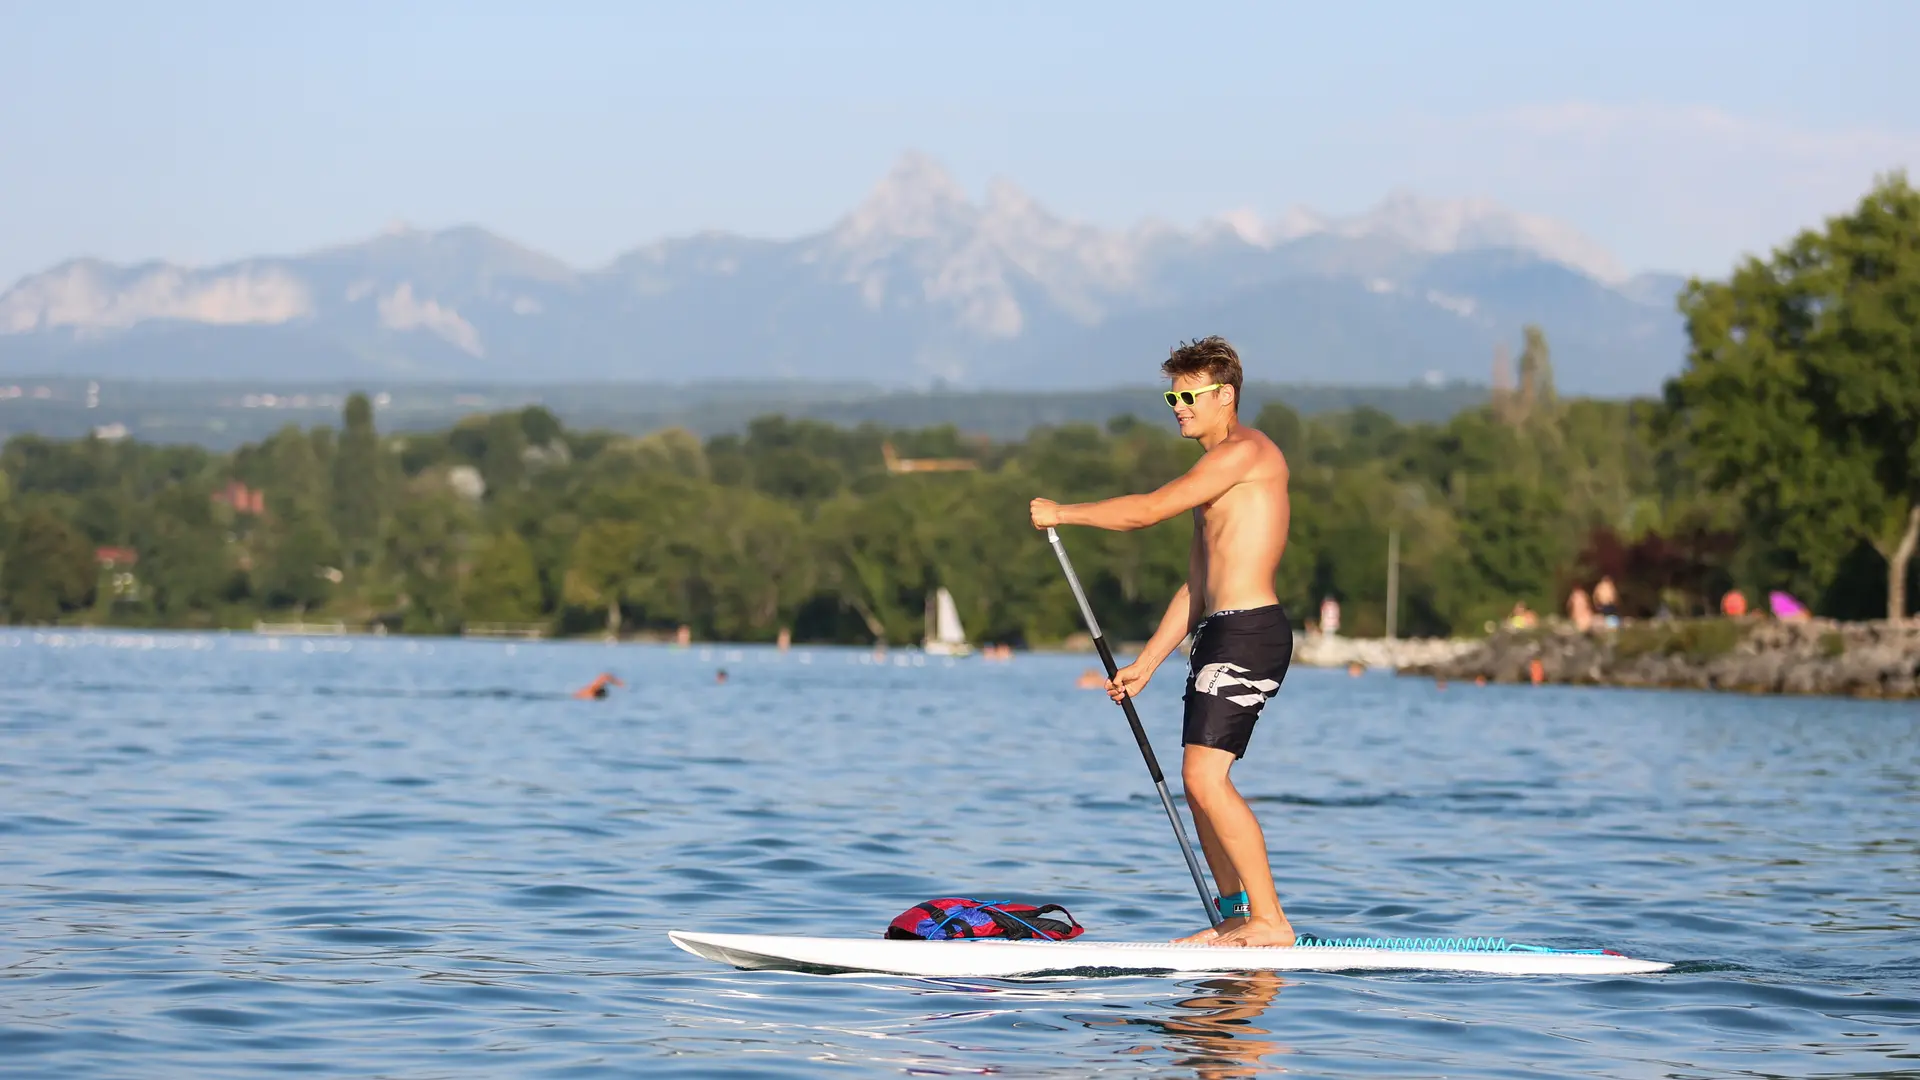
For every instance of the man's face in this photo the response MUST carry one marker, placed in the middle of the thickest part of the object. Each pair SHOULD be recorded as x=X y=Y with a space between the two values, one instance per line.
x=1201 y=416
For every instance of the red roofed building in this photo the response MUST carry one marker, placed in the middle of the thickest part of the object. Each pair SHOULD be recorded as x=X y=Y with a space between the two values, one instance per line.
x=243 y=499
x=111 y=557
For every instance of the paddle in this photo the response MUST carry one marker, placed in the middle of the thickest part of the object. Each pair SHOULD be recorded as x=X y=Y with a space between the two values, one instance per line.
x=1139 y=733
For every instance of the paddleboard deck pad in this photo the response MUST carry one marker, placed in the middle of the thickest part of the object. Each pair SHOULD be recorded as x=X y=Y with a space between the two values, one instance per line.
x=1000 y=958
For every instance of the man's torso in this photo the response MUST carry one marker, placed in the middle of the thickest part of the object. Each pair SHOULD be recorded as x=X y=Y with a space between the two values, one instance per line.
x=1240 y=536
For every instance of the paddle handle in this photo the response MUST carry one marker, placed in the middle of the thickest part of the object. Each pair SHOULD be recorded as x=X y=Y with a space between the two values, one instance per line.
x=1139 y=731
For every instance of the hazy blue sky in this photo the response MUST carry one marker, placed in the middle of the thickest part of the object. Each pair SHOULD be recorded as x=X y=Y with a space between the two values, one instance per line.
x=1678 y=134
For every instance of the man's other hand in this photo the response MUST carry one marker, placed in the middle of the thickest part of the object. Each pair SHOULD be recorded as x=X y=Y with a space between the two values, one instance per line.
x=1129 y=681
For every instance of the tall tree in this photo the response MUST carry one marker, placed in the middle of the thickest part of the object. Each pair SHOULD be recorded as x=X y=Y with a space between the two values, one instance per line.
x=600 y=568
x=358 y=483
x=49 y=569
x=504 y=585
x=1802 y=391
x=291 y=471
x=424 y=546
x=6 y=522
x=1537 y=394
x=294 y=572
x=183 y=559
x=504 y=462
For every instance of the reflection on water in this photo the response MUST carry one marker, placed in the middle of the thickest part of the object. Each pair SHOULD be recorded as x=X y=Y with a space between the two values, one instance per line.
x=1217 y=1034
x=220 y=855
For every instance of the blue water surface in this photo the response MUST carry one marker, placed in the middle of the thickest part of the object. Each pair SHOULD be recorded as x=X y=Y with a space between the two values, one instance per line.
x=229 y=855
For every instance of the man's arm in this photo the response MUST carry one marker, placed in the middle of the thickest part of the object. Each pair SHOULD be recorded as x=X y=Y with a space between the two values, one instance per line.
x=1174 y=627
x=1210 y=477
x=1182 y=615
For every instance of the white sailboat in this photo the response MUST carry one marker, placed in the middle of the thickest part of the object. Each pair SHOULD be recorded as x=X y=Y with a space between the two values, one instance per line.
x=945 y=637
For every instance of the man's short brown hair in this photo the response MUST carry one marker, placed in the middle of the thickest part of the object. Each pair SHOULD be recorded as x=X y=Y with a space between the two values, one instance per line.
x=1211 y=357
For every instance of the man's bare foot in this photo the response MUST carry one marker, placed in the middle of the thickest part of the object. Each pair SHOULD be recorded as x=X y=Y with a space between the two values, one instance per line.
x=1205 y=937
x=1258 y=932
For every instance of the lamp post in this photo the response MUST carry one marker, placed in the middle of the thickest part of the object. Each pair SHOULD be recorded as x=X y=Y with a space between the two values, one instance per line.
x=1393 y=584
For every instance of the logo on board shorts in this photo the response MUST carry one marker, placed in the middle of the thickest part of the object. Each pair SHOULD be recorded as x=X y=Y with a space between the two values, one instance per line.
x=1218 y=678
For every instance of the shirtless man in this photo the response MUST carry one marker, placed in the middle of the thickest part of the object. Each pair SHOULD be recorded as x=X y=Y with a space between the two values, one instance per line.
x=1242 y=641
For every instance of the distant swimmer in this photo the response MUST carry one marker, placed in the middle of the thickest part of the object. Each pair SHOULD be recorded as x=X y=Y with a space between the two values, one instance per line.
x=1091 y=680
x=720 y=676
x=598 y=687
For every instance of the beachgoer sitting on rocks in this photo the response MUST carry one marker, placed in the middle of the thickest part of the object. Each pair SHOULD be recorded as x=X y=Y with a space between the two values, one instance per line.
x=1606 y=601
x=1786 y=608
x=1580 y=610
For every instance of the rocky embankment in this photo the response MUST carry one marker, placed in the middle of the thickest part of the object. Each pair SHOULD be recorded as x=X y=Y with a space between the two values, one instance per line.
x=1870 y=660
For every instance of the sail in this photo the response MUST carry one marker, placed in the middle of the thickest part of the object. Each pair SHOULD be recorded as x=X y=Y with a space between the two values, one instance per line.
x=945 y=636
x=947 y=629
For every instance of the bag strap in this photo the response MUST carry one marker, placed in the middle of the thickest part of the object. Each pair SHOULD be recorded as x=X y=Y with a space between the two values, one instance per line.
x=995 y=912
x=960 y=910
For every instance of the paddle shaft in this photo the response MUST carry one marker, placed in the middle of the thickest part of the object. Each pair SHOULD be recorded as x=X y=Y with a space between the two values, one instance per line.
x=1139 y=732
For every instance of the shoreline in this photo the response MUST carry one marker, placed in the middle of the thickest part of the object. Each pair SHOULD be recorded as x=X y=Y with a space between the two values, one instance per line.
x=1816 y=658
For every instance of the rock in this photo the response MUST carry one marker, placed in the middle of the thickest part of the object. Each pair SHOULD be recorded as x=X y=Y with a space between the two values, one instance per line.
x=1880 y=659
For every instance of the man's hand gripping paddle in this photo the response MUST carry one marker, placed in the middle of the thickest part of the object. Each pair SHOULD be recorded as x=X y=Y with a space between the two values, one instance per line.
x=1139 y=733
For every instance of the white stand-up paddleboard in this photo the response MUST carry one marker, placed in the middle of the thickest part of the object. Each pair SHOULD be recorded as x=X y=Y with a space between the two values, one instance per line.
x=1000 y=958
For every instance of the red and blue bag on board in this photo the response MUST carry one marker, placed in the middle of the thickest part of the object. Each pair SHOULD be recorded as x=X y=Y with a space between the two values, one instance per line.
x=955 y=917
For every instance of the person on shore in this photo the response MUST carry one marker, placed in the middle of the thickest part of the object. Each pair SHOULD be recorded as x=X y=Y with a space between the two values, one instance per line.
x=1580 y=610
x=1242 y=639
x=1606 y=600
x=1522 y=617
x=1787 y=608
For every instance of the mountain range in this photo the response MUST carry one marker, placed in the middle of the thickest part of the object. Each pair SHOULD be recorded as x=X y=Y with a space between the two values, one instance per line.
x=919 y=284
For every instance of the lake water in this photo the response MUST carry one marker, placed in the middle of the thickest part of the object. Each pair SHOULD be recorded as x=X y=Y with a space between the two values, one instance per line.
x=227 y=856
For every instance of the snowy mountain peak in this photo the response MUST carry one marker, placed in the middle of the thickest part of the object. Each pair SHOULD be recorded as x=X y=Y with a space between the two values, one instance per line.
x=1447 y=225
x=917 y=199
x=87 y=295
x=1436 y=226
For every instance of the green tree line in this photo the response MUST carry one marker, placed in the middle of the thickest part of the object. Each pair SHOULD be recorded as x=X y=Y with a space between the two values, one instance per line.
x=1786 y=455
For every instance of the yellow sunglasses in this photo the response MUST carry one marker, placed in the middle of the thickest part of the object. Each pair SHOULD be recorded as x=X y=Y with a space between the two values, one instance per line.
x=1177 y=398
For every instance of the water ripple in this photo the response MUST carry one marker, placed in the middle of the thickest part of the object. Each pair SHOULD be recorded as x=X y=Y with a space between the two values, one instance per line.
x=222 y=856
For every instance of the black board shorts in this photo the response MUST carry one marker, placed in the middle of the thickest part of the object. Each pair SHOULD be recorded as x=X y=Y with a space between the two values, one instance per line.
x=1238 y=662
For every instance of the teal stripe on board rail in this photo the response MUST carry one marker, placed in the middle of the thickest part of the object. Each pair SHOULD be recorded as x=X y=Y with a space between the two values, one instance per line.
x=1470 y=944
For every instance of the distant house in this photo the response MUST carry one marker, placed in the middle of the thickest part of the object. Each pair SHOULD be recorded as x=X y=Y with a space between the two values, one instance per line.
x=116 y=572
x=112 y=557
x=898 y=464
x=243 y=499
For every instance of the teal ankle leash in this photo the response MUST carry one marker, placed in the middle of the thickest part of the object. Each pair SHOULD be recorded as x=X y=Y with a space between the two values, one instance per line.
x=1235 y=906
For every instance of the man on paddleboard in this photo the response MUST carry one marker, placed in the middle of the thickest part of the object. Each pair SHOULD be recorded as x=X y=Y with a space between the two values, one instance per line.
x=1242 y=640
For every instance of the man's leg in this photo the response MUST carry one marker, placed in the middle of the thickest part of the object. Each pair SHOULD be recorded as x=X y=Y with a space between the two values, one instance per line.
x=1234 y=843
x=1225 y=878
